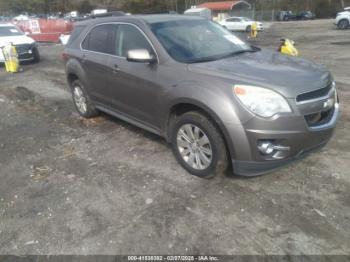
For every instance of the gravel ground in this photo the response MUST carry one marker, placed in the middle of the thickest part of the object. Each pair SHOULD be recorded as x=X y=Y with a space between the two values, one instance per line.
x=102 y=186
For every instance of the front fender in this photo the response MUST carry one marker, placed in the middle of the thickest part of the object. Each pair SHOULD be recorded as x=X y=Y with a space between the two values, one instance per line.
x=218 y=102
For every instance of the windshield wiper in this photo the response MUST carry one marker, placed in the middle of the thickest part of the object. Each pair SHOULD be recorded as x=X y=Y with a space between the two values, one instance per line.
x=214 y=58
x=201 y=60
x=253 y=50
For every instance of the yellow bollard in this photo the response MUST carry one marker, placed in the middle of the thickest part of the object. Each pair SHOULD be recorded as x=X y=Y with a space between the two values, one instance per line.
x=11 y=58
x=288 y=47
x=254 y=30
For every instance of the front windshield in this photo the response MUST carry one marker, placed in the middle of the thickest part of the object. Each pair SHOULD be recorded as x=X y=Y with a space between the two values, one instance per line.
x=191 y=41
x=246 y=19
x=9 y=31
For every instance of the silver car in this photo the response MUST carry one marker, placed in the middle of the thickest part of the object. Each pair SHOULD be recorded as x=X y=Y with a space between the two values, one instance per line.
x=220 y=102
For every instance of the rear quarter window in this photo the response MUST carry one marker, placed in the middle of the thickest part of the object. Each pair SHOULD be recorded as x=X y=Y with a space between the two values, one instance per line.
x=100 y=39
x=75 y=34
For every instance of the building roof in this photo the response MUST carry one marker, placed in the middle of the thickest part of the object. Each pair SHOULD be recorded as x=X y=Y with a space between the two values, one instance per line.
x=222 y=6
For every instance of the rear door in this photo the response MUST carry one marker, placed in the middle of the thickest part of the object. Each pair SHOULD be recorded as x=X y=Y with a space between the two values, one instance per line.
x=97 y=49
x=133 y=85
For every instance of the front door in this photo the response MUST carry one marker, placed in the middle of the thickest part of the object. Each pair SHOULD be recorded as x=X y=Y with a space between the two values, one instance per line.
x=133 y=85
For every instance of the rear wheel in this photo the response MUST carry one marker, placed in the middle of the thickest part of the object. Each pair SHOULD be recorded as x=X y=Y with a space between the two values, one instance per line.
x=343 y=24
x=198 y=145
x=82 y=101
x=248 y=29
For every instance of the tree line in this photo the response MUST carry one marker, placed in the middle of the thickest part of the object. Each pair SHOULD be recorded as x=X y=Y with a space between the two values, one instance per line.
x=322 y=8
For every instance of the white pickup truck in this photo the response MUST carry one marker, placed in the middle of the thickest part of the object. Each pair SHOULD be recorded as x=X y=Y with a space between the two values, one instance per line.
x=343 y=19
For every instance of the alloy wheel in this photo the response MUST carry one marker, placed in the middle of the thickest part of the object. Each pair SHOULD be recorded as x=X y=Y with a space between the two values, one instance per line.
x=343 y=24
x=80 y=99
x=194 y=147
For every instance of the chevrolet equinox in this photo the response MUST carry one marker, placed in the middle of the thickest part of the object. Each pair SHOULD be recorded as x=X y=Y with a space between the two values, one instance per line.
x=219 y=101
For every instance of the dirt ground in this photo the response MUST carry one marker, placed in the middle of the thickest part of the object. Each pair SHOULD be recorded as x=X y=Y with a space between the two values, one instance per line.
x=102 y=186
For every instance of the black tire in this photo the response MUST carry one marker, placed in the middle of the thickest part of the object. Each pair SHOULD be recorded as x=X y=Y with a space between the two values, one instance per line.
x=219 y=158
x=36 y=55
x=91 y=110
x=343 y=24
x=248 y=29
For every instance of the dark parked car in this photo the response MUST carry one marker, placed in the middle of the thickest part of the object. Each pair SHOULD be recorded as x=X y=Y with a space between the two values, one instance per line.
x=305 y=15
x=285 y=16
x=216 y=99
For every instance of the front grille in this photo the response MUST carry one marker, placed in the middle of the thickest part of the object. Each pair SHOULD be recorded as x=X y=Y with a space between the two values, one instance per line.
x=315 y=94
x=25 y=56
x=23 y=48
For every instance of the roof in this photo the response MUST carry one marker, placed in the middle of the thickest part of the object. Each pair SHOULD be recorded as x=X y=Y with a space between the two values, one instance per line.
x=221 y=6
x=144 y=18
x=165 y=18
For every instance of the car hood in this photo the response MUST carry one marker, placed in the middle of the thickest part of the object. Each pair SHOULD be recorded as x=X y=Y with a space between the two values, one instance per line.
x=287 y=75
x=16 y=40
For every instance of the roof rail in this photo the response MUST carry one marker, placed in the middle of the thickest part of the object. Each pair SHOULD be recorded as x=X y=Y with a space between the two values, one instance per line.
x=159 y=12
x=108 y=14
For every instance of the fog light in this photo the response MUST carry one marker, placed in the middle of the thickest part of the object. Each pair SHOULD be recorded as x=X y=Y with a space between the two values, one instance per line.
x=266 y=147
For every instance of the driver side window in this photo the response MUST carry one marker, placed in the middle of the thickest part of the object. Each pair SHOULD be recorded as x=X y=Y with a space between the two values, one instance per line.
x=129 y=38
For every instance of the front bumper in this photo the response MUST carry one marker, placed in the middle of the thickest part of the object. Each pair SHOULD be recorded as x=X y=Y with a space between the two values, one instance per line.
x=293 y=133
x=243 y=168
x=25 y=53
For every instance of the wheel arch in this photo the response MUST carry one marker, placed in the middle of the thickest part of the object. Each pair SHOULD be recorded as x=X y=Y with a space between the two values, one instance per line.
x=185 y=105
x=347 y=19
x=71 y=77
x=74 y=71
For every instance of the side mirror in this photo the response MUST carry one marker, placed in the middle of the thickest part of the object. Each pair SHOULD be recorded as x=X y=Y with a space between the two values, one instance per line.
x=140 y=56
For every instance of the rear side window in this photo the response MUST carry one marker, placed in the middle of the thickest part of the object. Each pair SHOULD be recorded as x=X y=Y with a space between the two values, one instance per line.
x=75 y=34
x=130 y=38
x=234 y=20
x=100 y=39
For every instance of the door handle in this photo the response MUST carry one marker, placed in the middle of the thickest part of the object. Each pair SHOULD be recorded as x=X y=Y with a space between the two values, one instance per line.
x=116 y=69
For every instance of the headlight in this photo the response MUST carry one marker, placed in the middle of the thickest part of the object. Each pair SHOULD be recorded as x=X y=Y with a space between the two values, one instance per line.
x=261 y=101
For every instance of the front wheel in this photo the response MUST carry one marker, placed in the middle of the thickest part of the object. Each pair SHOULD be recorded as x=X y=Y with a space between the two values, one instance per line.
x=248 y=29
x=343 y=24
x=36 y=55
x=198 y=145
